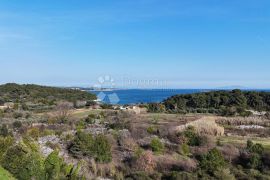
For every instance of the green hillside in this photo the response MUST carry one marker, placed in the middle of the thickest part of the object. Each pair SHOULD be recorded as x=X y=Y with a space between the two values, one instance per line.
x=5 y=175
x=40 y=94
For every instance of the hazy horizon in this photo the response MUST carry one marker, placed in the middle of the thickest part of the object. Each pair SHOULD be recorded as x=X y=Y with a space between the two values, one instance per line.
x=179 y=44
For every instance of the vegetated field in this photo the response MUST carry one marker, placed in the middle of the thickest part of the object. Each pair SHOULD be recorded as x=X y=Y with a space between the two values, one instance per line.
x=168 y=121
x=71 y=142
x=242 y=140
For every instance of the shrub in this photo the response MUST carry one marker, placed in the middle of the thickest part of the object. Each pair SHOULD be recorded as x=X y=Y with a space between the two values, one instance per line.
x=17 y=115
x=80 y=125
x=17 y=124
x=184 y=149
x=182 y=176
x=34 y=133
x=224 y=174
x=81 y=144
x=212 y=161
x=254 y=148
x=91 y=118
x=152 y=130
x=4 y=131
x=255 y=161
x=53 y=166
x=156 y=107
x=23 y=163
x=157 y=146
x=230 y=153
x=106 y=106
x=141 y=175
x=85 y=145
x=101 y=149
x=193 y=139
x=5 y=143
x=145 y=162
x=187 y=164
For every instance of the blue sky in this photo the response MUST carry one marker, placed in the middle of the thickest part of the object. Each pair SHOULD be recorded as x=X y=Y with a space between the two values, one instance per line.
x=183 y=44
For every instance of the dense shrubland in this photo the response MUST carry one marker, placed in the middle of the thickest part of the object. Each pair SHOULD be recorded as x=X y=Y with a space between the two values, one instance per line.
x=226 y=103
x=34 y=97
x=119 y=152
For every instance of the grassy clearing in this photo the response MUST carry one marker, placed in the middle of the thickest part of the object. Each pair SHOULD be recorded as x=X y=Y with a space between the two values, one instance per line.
x=82 y=113
x=5 y=175
x=241 y=140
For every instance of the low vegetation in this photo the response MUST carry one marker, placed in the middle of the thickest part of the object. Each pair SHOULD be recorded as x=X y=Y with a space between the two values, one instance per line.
x=34 y=97
x=73 y=142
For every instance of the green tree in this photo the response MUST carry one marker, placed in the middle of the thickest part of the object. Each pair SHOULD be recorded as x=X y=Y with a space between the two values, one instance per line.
x=193 y=139
x=85 y=145
x=212 y=161
x=101 y=149
x=23 y=163
x=53 y=166
x=81 y=145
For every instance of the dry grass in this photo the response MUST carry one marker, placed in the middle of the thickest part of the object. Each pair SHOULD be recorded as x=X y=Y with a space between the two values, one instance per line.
x=204 y=126
x=167 y=162
x=237 y=121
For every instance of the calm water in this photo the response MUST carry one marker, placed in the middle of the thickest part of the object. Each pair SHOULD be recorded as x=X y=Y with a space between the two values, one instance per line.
x=135 y=96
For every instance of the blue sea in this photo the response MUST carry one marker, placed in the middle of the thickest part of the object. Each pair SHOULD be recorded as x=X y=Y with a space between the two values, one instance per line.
x=137 y=96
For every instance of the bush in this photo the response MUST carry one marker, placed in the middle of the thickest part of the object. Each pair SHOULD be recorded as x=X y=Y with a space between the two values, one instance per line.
x=255 y=161
x=4 y=131
x=212 y=161
x=101 y=149
x=53 y=166
x=34 y=133
x=184 y=149
x=145 y=162
x=80 y=125
x=224 y=174
x=23 y=163
x=254 y=148
x=5 y=143
x=85 y=145
x=106 y=106
x=140 y=175
x=193 y=139
x=230 y=153
x=17 y=115
x=81 y=144
x=157 y=146
x=182 y=176
x=91 y=118
x=152 y=130
x=17 y=124
x=156 y=107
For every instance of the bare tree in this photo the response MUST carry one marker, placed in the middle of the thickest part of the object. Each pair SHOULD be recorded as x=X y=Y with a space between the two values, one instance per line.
x=62 y=111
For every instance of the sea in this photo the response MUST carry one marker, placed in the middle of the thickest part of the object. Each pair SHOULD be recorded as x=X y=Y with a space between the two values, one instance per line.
x=138 y=96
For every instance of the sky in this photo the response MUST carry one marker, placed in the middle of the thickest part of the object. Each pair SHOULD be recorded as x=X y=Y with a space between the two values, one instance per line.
x=136 y=43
